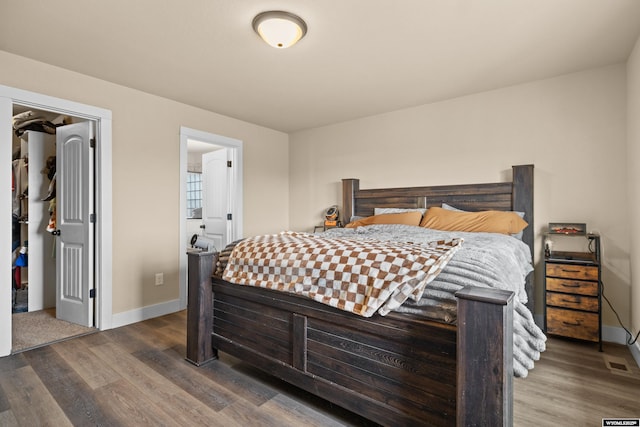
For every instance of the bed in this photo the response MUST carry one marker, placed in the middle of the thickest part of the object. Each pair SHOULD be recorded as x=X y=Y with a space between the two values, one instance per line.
x=401 y=369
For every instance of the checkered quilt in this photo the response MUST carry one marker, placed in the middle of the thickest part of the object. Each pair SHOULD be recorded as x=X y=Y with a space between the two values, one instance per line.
x=360 y=276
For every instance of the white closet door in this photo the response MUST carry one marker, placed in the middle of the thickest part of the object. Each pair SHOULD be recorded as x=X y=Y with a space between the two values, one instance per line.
x=74 y=247
x=215 y=197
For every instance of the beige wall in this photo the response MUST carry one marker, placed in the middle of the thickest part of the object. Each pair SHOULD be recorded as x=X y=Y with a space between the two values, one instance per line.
x=633 y=158
x=571 y=127
x=146 y=173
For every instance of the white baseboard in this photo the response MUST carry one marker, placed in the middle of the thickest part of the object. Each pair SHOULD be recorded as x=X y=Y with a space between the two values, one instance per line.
x=614 y=334
x=144 y=313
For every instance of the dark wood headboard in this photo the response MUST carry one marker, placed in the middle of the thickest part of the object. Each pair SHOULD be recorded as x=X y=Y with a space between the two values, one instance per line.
x=516 y=195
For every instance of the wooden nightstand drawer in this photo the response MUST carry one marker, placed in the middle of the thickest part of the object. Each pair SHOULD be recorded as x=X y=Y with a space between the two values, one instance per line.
x=577 y=302
x=572 y=271
x=572 y=286
x=574 y=324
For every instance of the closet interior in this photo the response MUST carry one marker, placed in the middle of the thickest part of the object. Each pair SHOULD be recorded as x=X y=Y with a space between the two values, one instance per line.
x=33 y=212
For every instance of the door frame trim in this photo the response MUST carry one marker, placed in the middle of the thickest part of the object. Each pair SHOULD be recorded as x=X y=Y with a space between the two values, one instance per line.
x=103 y=198
x=235 y=149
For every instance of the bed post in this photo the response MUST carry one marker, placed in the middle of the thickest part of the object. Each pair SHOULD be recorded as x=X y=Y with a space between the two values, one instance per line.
x=349 y=188
x=200 y=307
x=523 y=202
x=485 y=357
x=523 y=197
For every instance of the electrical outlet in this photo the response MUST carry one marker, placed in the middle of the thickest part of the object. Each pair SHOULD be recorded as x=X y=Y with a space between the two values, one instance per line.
x=159 y=279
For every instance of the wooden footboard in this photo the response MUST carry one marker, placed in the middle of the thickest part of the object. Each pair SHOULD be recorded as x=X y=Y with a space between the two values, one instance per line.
x=395 y=370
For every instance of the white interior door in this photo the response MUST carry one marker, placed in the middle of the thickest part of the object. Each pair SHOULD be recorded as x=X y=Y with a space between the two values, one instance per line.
x=75 y=240
x=215 y=197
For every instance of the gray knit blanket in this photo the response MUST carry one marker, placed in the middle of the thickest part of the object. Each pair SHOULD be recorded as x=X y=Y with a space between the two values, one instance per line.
x=485 y=260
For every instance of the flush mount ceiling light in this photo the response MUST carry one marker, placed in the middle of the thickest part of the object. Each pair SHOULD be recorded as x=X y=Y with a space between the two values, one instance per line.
x=279 y=29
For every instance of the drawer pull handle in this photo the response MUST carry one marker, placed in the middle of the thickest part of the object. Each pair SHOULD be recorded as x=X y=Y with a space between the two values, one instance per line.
x=570 y=271
x=571 y=323
x=569 y=301
x=571 y=285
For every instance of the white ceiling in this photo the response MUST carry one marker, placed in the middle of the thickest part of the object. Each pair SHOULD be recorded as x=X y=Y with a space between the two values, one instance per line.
x=359 y=57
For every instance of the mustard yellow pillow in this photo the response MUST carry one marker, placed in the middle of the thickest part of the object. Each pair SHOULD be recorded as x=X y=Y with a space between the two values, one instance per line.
x=487 y=221
x=407 y=218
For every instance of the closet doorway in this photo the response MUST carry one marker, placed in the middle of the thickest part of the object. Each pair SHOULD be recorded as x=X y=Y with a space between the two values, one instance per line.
x=84 y=279
x=52 y=232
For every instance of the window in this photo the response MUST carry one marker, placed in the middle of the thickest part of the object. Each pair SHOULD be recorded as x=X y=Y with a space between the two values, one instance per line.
x=194 y=195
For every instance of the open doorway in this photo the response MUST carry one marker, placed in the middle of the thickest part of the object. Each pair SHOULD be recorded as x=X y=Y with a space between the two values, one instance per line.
x=211 y=192
x=52 y=170
x=12 y=99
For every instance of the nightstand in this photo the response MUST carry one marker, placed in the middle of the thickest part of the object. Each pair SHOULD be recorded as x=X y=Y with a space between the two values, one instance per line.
x=573 y=292
x=324 y=227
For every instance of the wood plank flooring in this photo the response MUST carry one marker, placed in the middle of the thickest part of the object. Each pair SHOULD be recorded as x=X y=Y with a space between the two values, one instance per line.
x=137 y=375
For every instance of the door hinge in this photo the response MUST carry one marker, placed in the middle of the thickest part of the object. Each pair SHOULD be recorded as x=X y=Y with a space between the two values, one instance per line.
x=228 y=163
x=92 y=293
x=229 y=217
x=92 y=218
x=92 y=143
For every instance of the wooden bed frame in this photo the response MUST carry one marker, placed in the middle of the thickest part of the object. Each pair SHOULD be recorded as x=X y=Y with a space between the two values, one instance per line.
x=397 y=370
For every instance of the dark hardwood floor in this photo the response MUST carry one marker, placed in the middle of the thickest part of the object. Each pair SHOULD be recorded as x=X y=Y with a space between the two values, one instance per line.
x=137 y=375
